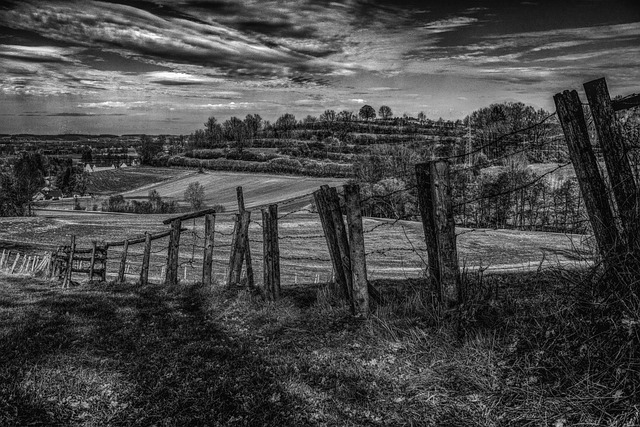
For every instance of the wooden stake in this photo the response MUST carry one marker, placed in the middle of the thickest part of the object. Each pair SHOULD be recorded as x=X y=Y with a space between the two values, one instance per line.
x=356 y=245
x=343 y=242
x=425 y=202
x=238 y=248
x=614 y=151
x=69 y=271
x=172 y=256
x=247 y=254
x=331 y=236
x=123 y=262
x=94 y=245
x=144 y=271
x=207 y=263
x=450 y=286
x=592 y=187
x=15 y=261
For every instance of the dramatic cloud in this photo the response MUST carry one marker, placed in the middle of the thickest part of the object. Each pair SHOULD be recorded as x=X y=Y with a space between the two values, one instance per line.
x=193 y=58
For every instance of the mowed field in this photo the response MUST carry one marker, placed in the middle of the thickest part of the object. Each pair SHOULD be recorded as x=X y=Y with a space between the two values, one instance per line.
x=395 y=250
x=220 y=188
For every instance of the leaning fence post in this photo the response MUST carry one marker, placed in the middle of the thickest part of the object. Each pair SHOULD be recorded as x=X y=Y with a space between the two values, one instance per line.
x=356 y=245
x=144 y=271
x=172 y=256
x=614 y=151
x=207 y=263
x=123 y=262
x=592 y=187
x=328 y=226
x=335 y=212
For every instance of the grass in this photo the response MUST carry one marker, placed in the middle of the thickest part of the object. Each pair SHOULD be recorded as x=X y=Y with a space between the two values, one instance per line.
x=118 y=355
x=390 y=246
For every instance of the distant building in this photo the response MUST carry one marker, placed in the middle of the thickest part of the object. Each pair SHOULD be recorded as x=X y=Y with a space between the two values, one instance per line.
x=47 y=193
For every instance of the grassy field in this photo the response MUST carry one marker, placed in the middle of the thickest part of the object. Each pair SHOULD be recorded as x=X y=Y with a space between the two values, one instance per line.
x=395 y=249
x=112 y=355
x=220 y=188
x=119 y=180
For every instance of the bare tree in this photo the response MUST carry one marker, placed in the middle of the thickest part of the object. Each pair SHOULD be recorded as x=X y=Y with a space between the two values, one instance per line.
x=194 y=194
x=385 y=112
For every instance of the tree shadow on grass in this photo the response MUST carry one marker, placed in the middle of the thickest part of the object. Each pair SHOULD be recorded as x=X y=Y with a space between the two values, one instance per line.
x=159 y=360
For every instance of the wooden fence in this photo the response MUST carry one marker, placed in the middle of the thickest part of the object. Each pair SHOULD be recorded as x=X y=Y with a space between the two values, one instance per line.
x=615 y=222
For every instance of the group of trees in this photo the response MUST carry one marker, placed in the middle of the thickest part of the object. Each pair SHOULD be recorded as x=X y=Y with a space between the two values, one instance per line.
x=153 y=205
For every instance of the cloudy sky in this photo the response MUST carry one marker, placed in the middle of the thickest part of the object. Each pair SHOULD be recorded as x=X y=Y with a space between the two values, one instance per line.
x=164 y=66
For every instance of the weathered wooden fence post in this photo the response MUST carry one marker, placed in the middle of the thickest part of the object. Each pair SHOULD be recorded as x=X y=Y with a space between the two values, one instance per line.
x=123 y=262
x=343 y=241
x=172 y=256
x=94 y=246
x=446 y=232
x=592 y=187
x=356 y=244
x=614 y=151
x=207 y=263
x=331 y=236
x=238 y=247
x=436 y=211
x=241 y=209
x=69 y=271
x=271 y=252
x=146 y=257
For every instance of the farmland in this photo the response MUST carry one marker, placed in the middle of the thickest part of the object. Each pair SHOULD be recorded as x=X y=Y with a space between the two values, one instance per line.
x=396 y=249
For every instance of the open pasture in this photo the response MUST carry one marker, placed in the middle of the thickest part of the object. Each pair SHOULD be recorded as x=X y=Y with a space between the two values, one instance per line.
x=395 y=250
x=220 y=187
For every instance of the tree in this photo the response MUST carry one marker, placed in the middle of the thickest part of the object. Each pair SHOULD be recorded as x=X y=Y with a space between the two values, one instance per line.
x=346 y=116
x=285 y=124
x=328 y=116
x=254 y=124
x=213 y=132
x=148 y=149
x=385 y=112
x=235 y=130
x=367 y=113
x=194 y=194
x=422 y=117
x=28 y=173
x=86 y=156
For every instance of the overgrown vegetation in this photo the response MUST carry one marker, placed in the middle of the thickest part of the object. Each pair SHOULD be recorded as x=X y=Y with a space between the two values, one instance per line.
x=524 y=351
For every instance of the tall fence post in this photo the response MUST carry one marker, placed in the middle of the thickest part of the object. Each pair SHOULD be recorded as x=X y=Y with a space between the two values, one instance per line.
x=146 y=257
x=238 y=248
x=271 y=252
x=343 y=241
x=441 y=188
x=247 y=253
x=614 y=151
x=331 y=236
x=171 y=277
x=425 y=202
x=94 y=246
x=207 y=263
x=69 y=272
x=356 y=245
x=592 y=187
x=436 y=210
x=123 y=262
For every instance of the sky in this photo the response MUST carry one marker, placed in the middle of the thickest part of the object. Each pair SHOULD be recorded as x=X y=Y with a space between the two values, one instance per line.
x=165 y=66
